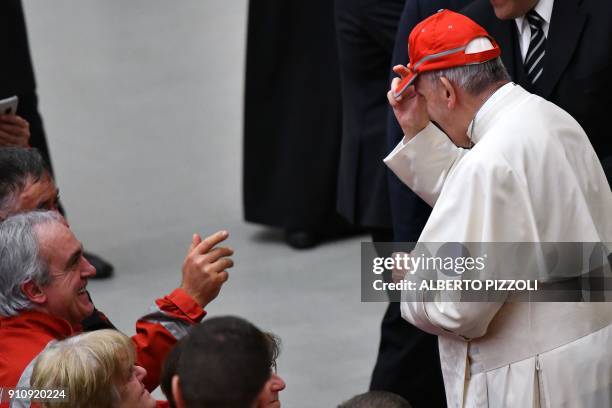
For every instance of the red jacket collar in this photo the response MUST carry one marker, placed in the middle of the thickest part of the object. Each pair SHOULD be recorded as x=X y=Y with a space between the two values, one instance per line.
x=40 y=322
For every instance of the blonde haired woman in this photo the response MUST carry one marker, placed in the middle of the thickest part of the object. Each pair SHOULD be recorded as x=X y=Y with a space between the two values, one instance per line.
x=96 y=370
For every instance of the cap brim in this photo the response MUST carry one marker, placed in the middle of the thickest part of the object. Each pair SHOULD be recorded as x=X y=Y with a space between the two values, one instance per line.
x=404 y=84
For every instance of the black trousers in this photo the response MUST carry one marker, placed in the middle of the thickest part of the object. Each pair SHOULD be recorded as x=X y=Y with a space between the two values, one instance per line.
x=292 y=117
x=408 y=362
x=365 y=32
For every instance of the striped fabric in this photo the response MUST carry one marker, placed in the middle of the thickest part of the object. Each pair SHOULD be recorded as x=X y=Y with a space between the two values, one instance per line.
x=534 y=61
x=176 y=327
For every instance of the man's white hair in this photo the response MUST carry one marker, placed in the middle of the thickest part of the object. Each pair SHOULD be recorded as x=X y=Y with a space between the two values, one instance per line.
x=20 y=260
x=474 y=78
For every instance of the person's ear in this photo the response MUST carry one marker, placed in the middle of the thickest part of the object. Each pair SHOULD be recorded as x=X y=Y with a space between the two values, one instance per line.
x=448 y=93
x=176 y=393
x=33 y=292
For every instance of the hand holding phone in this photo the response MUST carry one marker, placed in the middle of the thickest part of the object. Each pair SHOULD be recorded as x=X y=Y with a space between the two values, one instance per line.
x=14 y=130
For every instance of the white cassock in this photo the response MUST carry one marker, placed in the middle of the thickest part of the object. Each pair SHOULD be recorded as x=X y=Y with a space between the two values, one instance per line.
x=532 y=176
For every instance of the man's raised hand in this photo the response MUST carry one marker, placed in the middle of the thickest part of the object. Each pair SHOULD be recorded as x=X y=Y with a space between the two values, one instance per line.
x=409 y=108
x=204 y=268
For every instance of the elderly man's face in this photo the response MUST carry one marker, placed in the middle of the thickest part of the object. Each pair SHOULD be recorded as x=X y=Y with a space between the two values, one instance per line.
x=38 y=195
x=446 y=106
x=509 y=9
x=436 y=106
x=66 y=295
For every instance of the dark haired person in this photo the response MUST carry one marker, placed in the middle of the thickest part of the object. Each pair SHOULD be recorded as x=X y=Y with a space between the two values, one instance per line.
x=169 y=371
x=26 y=182
x=227 y=362
x=376 y=399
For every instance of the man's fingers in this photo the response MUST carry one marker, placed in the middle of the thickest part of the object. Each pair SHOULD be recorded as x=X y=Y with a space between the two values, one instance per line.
x=218 y=253
x=398 y=275
x=391 y=98
x=393 y=101
x=14 y=130
x=221 y=265
x=395 y=82
x=222 y=276
x=14 y=136
x=401 y=70
x=8 y=118
x=209 y=242
x=14 y=120
x=195 y=240
x=7 y=139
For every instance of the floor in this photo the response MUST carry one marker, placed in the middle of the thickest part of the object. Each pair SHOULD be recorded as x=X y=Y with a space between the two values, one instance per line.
x=142 y=102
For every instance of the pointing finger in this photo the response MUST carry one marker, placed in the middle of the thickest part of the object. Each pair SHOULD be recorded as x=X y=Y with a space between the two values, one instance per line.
x=401 y=70
x=209 y=242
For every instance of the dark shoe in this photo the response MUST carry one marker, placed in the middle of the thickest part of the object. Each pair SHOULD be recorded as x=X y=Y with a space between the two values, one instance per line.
x=301 y=239
x=104 y=270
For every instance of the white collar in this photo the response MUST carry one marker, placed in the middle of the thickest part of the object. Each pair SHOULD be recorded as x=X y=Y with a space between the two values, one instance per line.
x=474 y=131
x=544 y=8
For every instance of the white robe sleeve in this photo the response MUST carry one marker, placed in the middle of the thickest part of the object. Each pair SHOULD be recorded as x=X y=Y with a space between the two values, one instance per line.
x=483 y=201
x=424 y=161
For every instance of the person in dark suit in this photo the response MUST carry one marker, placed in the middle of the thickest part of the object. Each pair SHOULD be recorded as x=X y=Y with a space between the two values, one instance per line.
x=17 y=72
x=576 y=57
x=17 y=78
x=408 y=360
x=292 y=120
x=365 y=32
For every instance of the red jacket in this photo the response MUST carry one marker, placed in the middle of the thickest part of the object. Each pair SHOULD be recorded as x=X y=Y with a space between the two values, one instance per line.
x=24 y=336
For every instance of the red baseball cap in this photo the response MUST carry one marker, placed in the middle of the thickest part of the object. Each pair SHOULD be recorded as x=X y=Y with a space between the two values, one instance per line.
x=440 y=41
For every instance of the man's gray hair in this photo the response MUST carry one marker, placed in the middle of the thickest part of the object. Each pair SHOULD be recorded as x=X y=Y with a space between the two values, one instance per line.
x=20 y=260
x=474 y=78
x=18 y=165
